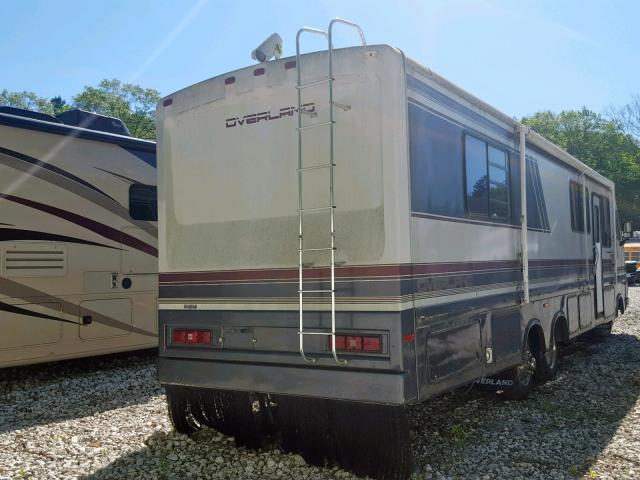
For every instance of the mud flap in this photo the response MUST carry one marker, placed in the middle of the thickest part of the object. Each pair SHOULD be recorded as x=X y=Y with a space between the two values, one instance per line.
x=367 y=439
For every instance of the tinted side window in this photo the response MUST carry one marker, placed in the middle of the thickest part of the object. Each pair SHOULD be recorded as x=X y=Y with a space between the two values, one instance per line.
x=588 y=213
x=537 y=216
x=606 y=222
x=577 y=207
x=437 y=175
x=475 y=152
x=143 y=202
x=498 y=183
x=596 y=224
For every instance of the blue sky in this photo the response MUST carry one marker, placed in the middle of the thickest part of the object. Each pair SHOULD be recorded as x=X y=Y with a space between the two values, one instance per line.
x=520 y=56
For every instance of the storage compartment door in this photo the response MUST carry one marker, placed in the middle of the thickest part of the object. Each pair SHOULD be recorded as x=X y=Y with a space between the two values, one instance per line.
x=454 y=350
x=29 y=325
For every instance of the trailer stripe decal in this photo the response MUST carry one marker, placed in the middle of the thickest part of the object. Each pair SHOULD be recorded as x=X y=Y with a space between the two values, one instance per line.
x=358 y=272
x=47 y=166
x=10 y=234
x=27 y=294
x=5 y=307
x=96 y=227
x=70 y=182
x=121 y=177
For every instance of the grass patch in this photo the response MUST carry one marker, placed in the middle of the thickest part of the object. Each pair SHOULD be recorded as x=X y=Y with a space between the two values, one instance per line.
x=457 y=434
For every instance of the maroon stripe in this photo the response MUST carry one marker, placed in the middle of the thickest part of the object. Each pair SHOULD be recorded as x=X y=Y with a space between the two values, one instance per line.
x=96 y=227
x=360 y=271
x=288 y=273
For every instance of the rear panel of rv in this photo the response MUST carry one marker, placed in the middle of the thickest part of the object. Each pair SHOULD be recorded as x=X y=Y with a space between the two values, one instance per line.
x=228 y=210
x=229 y=147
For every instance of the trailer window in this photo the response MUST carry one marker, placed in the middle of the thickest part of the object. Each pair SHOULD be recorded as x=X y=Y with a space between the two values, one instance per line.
x=498 y=185
x=475 y=154
x=143 y=202
x=606 y=223
x=487 y=186
x=588 y=213
x=576 y=198
x=537 y=217
x=437 y=173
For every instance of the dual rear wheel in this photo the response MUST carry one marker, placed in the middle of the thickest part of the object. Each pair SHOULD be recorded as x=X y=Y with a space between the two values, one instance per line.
x=537 y=366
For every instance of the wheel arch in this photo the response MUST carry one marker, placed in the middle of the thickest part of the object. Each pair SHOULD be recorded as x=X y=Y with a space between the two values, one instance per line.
x=560 y=319
x=535 y=330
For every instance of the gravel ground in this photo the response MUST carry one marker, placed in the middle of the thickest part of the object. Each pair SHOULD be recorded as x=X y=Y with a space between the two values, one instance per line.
x=106 y=419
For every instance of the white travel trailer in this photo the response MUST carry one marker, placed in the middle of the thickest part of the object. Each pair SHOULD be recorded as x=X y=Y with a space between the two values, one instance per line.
x=346 y=232
x=78 y=237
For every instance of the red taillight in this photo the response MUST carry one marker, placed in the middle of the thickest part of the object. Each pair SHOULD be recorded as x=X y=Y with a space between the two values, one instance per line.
x=358 y=343
x=371 y=344
x=191 y=337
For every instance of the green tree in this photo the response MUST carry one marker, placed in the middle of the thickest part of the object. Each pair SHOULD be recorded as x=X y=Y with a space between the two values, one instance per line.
x=26 y=100
x=134 y=105
x=628 y=118
x=603 y=145
x=58 y=104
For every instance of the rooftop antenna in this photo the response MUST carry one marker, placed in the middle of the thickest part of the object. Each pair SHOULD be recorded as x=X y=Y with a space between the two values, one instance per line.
x=270 y=48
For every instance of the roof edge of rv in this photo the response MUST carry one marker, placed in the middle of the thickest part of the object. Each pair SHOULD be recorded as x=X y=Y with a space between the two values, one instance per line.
x=78 y=132
x=535 y=138
x=269 y=62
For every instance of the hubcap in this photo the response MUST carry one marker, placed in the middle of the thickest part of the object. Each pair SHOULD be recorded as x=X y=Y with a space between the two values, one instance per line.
x=528 y=368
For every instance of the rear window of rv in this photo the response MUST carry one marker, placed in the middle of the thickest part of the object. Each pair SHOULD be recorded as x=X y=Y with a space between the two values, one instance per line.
x=143 y=202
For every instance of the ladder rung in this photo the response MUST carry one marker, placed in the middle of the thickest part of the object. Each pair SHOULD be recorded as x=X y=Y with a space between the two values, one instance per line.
x=315 y=333
x=315 y=291
x=316 y=209
x=320 y=81
x=322 y=249
x=314 y=125
x=317 y=167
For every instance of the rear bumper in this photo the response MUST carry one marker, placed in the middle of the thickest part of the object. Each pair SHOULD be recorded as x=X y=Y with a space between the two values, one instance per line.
x=362 y=386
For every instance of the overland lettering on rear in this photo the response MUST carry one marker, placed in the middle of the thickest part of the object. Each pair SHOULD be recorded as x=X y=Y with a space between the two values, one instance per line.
x=252 y=118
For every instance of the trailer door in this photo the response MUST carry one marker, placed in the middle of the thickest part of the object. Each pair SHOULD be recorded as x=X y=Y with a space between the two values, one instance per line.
x=597 y=253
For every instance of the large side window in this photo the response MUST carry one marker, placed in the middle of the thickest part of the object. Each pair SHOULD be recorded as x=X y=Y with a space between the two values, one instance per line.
x=143 y=202
x=487 y=185
x=437 y=174
x=576 y=199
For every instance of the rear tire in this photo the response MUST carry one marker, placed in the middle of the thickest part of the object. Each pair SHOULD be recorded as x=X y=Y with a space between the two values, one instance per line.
x=548 y=363
x=523 y=376
x=183 y=405
x=232 y=413
x=376 y=441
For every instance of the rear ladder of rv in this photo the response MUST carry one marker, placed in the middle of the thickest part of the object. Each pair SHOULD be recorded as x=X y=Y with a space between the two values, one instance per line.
x=331 y=207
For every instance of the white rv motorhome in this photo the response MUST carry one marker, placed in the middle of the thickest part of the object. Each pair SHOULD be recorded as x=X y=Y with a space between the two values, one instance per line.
x=345 y=232
x=78 y=237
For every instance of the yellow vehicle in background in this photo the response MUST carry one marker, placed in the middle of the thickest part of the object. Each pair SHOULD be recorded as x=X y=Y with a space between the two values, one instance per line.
x=632 y=249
